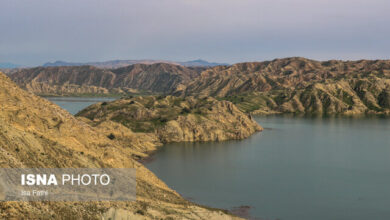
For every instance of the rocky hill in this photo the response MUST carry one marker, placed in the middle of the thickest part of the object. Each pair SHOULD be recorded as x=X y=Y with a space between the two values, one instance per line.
x=84 y=80
x=36 y=133
x=174 y=119
x=298 y=85
x=157 y=78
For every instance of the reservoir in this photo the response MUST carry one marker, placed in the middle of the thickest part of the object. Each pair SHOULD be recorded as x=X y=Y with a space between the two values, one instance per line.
x=298 y=168
x=76 y=104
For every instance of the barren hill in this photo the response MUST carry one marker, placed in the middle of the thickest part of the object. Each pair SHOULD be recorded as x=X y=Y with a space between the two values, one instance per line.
x=299 y=85
x=78 y=80
x=36 y=133
x=160 y=78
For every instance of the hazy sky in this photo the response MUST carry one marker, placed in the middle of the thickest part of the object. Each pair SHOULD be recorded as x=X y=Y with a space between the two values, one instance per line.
x=37 y=31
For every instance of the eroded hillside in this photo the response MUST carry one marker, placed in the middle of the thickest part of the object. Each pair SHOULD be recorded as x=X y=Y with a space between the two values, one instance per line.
x=89 y=80
x=298 y=85
x=290 y=85
x=36 y=133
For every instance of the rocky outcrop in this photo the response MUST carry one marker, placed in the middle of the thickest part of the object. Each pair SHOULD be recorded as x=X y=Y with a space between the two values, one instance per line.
x=174 y=119
x=298 y=85
x=84 y=80
x=36 y=133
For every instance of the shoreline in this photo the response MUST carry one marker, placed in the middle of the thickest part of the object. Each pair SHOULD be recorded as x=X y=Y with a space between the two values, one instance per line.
x=252 y=113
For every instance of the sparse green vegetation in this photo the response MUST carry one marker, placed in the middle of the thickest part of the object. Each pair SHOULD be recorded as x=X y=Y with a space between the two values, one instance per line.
x=295 y=85
x=157 y=111
x=175 y=119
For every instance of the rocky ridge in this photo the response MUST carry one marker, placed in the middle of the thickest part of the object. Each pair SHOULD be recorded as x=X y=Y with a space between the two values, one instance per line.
x=299 y=85
x=89 y=80
x=291 y=85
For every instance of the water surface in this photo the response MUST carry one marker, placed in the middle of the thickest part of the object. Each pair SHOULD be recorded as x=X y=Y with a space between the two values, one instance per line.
x=76 y=104
x=297 y=169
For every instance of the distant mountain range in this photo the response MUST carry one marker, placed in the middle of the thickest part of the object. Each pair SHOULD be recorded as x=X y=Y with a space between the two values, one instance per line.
x=202 y=63
x=123 y=63
x=8 y=65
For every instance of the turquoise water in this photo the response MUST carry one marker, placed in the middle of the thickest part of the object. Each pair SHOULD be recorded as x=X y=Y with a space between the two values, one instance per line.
x=75 y=104
x=297 y=169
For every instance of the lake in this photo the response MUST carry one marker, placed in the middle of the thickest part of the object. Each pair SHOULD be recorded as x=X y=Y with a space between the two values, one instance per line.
x=296 y=169
x=75 y=104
